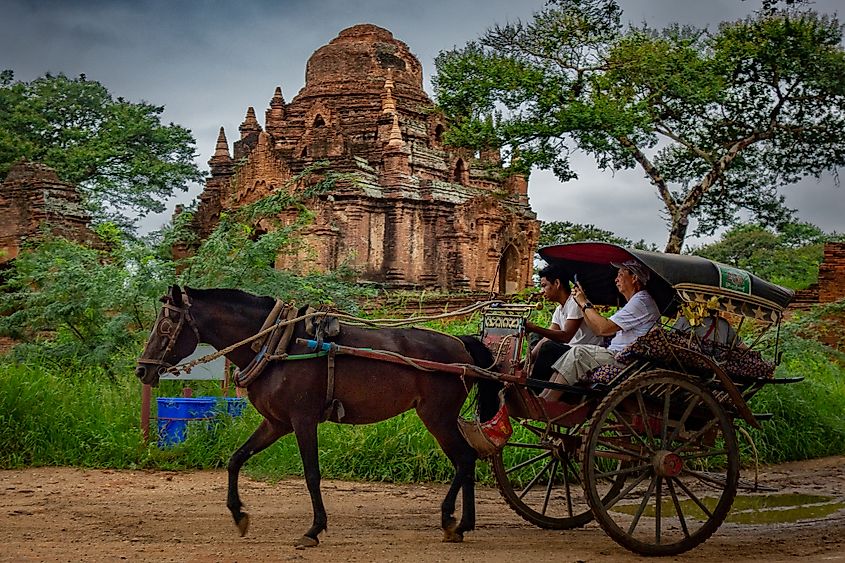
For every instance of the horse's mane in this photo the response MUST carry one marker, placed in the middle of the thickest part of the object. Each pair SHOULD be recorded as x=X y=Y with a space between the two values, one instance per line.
x=231 y=296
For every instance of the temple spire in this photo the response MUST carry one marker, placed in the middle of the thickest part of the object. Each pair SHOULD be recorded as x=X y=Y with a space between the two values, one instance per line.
x=221 y=160
x=394 y=141
x=274 y=117
x=222 y=148
x=250 y=124
x=388 y=104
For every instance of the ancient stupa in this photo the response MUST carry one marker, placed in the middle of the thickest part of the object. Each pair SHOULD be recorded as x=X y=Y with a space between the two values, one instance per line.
x=418 y=215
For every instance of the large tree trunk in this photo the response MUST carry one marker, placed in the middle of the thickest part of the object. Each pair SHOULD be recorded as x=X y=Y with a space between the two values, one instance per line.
x=677 y=233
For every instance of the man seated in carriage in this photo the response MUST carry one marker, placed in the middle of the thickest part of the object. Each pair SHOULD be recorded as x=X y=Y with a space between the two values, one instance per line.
x=567 y=327
x=633 y=320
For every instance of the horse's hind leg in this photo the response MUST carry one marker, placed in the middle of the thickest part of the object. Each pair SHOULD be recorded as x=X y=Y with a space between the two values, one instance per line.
x=445 y=430
x=264 y=435
x=306 y=439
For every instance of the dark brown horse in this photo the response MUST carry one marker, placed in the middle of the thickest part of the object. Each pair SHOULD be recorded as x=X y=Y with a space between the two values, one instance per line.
x=291 y=395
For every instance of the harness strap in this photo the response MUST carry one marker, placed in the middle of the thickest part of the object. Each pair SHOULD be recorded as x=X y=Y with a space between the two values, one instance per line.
x=333 y=406
x=275 y=341
x=273 y=317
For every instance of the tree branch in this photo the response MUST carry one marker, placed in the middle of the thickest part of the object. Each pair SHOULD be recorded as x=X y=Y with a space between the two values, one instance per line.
x=652 y=172
x=663 y=129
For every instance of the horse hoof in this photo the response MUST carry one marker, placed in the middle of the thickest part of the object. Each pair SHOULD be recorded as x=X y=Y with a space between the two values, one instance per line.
x=452 y=536
x=243 y=524
x=306 y=541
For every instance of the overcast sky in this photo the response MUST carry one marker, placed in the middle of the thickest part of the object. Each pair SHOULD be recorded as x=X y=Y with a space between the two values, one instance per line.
x=207 y=61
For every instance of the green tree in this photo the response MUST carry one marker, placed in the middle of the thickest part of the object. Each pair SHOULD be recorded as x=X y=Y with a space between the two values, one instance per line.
x=560 y=232
x=717 y=121
x=125 y=161
x=77 y=303
x=789 y=256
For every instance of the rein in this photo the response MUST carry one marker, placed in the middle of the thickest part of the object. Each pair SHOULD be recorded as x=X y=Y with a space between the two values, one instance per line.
x=350 y=320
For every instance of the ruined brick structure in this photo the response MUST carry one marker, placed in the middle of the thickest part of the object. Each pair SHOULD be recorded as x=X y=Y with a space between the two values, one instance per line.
x=32 y=199
x=417 y=214
x=830 y=286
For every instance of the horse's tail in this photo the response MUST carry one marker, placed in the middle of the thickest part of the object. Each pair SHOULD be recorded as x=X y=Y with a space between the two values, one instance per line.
x=488 y=389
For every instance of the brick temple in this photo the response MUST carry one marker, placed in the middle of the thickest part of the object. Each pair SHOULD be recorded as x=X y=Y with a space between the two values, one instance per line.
x=416 y=214
x=33 y=201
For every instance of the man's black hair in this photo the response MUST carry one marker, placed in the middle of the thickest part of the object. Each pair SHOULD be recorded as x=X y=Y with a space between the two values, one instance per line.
x=554 y=272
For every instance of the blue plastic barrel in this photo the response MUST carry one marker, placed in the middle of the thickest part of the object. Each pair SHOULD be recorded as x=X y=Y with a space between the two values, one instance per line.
x=174 y=414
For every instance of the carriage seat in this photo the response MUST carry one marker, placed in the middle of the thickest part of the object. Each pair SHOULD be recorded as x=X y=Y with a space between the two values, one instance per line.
x=680 y=350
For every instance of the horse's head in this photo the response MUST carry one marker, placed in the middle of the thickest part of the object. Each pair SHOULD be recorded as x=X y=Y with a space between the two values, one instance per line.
x=168 y=343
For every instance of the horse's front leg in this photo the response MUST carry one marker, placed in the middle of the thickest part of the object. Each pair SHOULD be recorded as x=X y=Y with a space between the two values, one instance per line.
x=306 y=439
x=264 y=435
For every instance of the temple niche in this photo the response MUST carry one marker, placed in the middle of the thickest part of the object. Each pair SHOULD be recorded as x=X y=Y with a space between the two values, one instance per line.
x=417 y=215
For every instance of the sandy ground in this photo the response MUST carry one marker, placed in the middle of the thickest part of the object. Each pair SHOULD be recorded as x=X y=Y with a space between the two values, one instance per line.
x=63 y=514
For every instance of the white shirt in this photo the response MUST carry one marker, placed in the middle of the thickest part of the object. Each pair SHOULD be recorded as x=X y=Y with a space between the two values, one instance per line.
x=571 y=311
x=634 y=319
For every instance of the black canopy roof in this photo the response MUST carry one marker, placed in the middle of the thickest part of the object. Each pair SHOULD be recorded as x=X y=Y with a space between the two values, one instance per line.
x=672 y=274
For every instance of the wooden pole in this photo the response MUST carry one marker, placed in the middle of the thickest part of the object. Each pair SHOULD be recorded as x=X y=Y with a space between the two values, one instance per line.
x=146 y=395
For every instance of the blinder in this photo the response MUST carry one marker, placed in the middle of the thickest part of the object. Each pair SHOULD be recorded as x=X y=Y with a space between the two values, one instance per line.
x=169 y=325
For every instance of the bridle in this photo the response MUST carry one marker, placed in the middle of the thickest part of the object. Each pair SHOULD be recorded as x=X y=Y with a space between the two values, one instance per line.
x=167 y=327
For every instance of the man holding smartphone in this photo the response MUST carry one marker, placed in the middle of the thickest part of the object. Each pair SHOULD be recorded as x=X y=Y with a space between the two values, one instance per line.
x=567 y=326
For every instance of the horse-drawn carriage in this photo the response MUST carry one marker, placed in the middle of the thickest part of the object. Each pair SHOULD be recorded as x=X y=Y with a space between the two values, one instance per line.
x=650 y=452
x=649 y=449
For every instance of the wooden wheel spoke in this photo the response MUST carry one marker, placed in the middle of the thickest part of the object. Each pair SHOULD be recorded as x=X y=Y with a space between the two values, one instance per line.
x=658 y=507
x=527 y=462
x=525 y=445
x=699 y=455
x=621 y=450
x=665 y=420
x=678 y=510
x=694 y=498
x=548 y=494
x=644 y=415
x=623 y=471
x=687 y=412
x=534 y=480
x=643 y=505
x=706 y=478
x=634 y=433
x=694 y=437
x=610 y=502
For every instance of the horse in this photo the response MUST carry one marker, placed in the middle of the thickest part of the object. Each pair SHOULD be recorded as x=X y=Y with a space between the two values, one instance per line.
x=291 y=395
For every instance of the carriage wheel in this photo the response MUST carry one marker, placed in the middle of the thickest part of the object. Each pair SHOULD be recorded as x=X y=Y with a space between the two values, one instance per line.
x=538 y=475
x=681 y=461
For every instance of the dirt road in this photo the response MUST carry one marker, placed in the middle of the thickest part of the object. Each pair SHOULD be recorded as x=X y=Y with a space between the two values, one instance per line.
x=60 y=514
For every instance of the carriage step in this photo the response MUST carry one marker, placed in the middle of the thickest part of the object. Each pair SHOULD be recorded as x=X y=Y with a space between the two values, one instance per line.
x=764 y=415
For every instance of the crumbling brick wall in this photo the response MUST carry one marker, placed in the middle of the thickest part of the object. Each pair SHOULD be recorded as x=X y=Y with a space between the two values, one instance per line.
x=33 y=200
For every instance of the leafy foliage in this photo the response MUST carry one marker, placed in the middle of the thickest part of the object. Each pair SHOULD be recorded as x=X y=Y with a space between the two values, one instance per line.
x=119 y=153
x=242 y=250
x=79 y=305
x=560 y=232
x=717 y=121
x=789 y=256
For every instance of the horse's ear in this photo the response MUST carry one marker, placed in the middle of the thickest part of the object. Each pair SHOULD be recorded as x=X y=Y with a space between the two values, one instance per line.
x=176 y=295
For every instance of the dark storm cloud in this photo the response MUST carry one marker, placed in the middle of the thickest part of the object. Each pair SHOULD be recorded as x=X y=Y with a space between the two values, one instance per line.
x=207 y=61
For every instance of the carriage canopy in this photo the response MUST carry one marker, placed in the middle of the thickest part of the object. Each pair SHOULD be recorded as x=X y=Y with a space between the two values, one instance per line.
x=674 y=278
